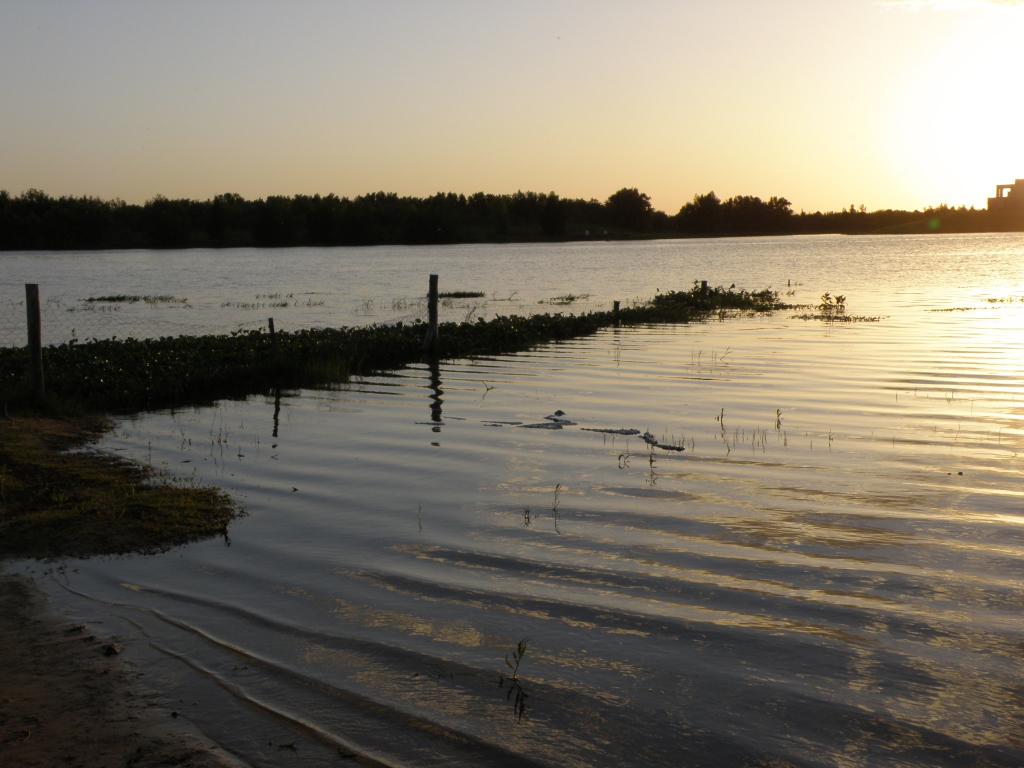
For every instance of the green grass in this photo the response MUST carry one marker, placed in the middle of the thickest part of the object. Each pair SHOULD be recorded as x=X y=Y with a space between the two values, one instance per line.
x=56 y=503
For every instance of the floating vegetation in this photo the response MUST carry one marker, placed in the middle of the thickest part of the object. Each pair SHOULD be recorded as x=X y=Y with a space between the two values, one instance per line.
x=133 y=374
x=461 y=295
x=953 y=309
x=664 y=444
x=96 y=308
x=1004 y=299
x=832 y=309
x=565 y=300
x=122 y=298
x=559 y=417
x=272 y=304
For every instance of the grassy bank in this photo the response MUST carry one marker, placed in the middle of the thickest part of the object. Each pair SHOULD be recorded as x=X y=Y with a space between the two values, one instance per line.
x=55 y=501
x=59 y=503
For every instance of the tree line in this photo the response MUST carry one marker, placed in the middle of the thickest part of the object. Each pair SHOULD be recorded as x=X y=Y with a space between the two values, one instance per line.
x=35 y=220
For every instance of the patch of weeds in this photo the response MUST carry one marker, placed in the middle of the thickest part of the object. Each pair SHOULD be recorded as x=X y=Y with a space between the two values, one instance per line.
x=832 y=309
x=461 y=295
x=133 y=374
x=565 y=299
x=122 y=298
x=61 y=501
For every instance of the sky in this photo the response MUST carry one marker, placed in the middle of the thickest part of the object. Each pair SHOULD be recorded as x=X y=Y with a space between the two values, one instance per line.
x=885 y=103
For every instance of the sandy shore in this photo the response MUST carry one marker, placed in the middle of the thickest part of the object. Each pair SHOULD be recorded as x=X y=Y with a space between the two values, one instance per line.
x=67 y=700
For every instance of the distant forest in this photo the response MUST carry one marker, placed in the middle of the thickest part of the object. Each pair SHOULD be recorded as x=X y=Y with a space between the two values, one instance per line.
x=34 y=220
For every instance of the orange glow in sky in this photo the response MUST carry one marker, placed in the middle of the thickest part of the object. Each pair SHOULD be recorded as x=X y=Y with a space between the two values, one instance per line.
x=827 y=102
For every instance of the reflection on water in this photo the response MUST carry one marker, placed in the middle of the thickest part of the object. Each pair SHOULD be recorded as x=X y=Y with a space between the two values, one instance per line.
x=230 y=289
x=435 y=394
x=830 y=573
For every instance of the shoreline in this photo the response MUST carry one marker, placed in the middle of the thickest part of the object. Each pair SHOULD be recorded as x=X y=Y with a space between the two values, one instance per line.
x=65 y=701
x=645 y=237
x=59 y=497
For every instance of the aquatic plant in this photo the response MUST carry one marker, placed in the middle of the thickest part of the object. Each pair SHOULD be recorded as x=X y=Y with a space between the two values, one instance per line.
x=461 y=295
x=134 y=374
x=832 y=309
x=554 y=508
x=122 y=298
x=565 y=299
x=515 y=694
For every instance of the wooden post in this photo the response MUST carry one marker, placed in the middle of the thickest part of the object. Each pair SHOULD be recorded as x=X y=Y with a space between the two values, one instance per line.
x=35 y=338
x=703 y=286
x=615 y=313
x=430 y=340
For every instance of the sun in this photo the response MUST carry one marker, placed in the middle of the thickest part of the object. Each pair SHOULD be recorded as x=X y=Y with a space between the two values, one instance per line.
x=956 y=120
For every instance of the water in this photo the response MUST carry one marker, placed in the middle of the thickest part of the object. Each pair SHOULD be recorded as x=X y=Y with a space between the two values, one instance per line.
x=224 y=291
x=831 y=573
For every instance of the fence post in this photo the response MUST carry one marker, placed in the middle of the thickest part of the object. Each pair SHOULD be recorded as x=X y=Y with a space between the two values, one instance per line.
x=615 y=313
x=430 y=340
x=35 y=339
x=703 y=286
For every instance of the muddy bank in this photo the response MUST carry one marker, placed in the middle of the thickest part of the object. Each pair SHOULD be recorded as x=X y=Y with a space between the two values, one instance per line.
x=68 y=700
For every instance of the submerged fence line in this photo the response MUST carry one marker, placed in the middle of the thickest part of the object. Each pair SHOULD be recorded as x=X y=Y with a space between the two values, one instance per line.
x=134 y=374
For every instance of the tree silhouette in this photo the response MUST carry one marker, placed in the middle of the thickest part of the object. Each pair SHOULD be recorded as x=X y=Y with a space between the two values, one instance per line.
x=629 y=208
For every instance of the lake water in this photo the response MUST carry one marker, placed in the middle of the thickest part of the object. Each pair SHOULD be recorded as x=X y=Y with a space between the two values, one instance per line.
x=831 y=573
x=223 y=291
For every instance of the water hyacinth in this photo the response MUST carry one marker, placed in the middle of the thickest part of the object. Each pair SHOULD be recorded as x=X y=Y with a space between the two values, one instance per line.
x=137 y=374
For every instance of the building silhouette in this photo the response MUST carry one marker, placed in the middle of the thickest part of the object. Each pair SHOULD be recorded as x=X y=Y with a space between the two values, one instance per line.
x=1009 y=198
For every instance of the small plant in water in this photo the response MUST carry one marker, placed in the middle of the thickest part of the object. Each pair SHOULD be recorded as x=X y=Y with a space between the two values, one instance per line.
x=832 y=308
x=510 y=680
x=554 y=507
x=565 y=299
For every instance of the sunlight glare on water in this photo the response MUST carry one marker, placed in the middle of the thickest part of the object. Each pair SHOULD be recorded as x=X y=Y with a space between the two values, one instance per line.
x=830 y=573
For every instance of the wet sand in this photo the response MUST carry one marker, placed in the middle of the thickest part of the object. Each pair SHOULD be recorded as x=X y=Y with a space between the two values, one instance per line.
x=67 y=701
